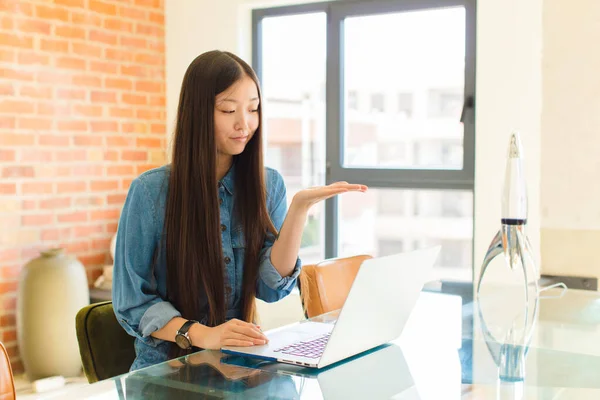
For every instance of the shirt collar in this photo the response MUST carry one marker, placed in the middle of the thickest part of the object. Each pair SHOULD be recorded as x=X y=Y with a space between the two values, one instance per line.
x=228 y=180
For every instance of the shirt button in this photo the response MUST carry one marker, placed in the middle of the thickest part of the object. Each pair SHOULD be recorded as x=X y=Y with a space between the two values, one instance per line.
x=223 y=228
x=227 y=260
x=220 y=201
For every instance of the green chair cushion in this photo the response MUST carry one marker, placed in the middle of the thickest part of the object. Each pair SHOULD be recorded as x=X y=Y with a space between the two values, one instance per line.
x=106 y=349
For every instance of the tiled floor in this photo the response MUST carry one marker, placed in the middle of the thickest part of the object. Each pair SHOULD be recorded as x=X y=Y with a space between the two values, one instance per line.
x=25 y=388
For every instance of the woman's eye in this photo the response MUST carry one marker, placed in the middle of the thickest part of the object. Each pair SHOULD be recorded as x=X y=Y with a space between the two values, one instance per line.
x=254 y=110
x=228 y=111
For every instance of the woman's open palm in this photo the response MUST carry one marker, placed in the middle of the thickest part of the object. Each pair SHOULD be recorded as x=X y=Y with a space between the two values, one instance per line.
x=309 y=197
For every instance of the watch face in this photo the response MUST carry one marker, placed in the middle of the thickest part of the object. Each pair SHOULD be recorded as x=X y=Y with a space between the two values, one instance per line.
x=182 y=341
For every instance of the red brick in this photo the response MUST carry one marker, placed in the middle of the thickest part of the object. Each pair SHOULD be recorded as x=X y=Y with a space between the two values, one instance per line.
x=134 y=99
x=70 y=3
x=133 y=13
x=89 y=201
x=77 y=247
x=54 y=45
x=16 y=40
x=157 y=46
x=50 y=234
x=71 y=155
x=79 y=126
x=133 y=42
x=149 y=3
x=120 y=170
x=103 y=186
x=140 y=169
x=86 y=18
x=157 y=17
x=34 y=26
x=93 y=259
x=87 y=110
x=43 y=156
x=159 y=101
x=79 y=216
x=151 y=114
x=117 y=24
x=149 y=142
x=7 y=122
x=7 y=55
x=59 y=110
x=134 y=70
x=7 y=287
x=71 y=94
x=71 y=63
x=37 y=91
x=88 y=170
x=53 y=140
x=7 y=24
x=55 y=203
x=104 y=67
x=32 y=59
x=103 y=97
x=8 y=320
x=129 y=155
x=118 y=83
x=9 y=255
x=149 y=86
x=158 y=128
x=120 y=141
x=18 y=172
x=38 y=124
x=102 y=37
x=70 y=32
x=104 y=215
x=87 y=80
x=16 y=107
x=37 y=188
x=71 y=187
x=116 y=199
x=9 y=335
x=37 y=220
x=104 y=126
x=7 y=89
x=102 y=7
x=149 y=30
x=45 y=12
x=111 y=228
x=9 y=304
x=28 y=205
x=88 y=140
x=86 y=50
x=111 y=155
x=121 y=112
x=101 y=244
x=7 y=155
x=85 y=231
x=16 y=139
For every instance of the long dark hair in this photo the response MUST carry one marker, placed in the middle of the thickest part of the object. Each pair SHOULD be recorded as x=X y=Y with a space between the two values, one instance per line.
x=195 y=266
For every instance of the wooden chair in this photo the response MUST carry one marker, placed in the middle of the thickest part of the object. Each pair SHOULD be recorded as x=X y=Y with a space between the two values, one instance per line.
x=324 y=287
x=7 y=382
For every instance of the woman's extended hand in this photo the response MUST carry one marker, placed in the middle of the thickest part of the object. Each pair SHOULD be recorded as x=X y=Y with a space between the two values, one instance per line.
x=231 y=333
x=308 y=197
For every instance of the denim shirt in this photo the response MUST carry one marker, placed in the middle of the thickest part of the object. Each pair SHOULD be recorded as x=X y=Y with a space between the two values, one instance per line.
x=140 y=286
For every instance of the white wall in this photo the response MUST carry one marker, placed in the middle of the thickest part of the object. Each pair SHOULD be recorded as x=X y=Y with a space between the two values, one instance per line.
x=509 y=43
x=571 y=142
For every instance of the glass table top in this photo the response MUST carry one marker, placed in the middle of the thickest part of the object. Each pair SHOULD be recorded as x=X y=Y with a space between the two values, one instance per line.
x=452 y=347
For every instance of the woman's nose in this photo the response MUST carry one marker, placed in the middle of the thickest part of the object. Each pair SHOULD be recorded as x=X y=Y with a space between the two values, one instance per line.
x=242 y=122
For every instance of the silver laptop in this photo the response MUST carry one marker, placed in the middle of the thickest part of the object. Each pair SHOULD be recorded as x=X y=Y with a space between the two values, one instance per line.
x=380 y=301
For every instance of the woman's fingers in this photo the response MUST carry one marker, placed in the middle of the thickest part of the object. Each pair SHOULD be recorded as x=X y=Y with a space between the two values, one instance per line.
x=249 y=331
x=242 y=337
x=236 y=342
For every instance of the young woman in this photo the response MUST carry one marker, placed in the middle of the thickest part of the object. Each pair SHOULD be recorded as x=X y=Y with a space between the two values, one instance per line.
x=200 y=238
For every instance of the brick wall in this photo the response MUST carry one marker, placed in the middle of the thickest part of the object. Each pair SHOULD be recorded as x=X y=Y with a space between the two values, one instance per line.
x=82 y=112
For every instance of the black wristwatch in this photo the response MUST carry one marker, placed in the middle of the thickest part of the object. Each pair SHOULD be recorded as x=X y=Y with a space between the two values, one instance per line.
x=182 y=338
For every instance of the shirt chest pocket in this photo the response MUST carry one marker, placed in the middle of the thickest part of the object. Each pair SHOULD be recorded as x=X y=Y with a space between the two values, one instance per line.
x=237 y=238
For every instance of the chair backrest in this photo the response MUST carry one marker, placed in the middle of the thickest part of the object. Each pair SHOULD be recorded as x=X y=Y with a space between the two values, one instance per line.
x=106 y=349
x=7 y=383
x=324 y=287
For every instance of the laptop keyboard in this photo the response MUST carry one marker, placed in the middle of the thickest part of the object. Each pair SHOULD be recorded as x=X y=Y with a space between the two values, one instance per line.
x=310 y=348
